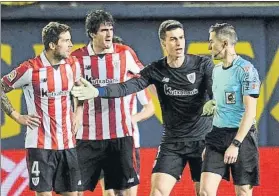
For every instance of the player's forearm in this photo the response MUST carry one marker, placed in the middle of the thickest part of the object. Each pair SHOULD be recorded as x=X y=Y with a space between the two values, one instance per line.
x=123 y=89
x=147 y=111
x=5 y=102
x=245 y=124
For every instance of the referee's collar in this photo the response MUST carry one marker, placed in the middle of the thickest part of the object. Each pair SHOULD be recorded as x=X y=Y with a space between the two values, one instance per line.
x=91 y=51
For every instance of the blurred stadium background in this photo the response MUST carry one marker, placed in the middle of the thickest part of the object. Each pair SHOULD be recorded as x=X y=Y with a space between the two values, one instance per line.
x=257 y=24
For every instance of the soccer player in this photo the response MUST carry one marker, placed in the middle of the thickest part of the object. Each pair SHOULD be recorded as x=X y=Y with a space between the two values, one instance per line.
x=231 y=146
x=46 y=81
x=146 y=112
x=105 y=139
x=182 y=82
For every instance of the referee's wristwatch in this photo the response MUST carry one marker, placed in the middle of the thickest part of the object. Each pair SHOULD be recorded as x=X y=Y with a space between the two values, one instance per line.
x=236 y=143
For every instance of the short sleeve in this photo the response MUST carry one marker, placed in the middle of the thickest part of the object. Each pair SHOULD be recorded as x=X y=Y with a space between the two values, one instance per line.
x=133 y=62
x=20 y=76
x=208 y=69
x=250 y=81
x=78 y=71
x=144 y=97
x=146 y=73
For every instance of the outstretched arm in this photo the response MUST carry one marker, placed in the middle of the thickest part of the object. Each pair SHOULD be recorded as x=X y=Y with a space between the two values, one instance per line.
x=87 y=91
x=122 y=89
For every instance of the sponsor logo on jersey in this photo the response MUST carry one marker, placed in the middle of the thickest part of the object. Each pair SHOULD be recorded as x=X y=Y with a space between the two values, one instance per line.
x=174 y=92
x=101 y=81
x=45 y=93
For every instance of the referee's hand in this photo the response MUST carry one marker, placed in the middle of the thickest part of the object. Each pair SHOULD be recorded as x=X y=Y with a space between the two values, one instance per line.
x=231 y=154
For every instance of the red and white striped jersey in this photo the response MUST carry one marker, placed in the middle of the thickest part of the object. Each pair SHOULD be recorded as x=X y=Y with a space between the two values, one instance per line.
x=47 y=94
x=144 y=98
x=107 y=118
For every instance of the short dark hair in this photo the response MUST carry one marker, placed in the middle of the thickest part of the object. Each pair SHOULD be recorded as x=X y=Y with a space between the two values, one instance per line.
x=117 y=39
x=51 y=32
x=224 y=30
x=95 y=18
x=168 y=25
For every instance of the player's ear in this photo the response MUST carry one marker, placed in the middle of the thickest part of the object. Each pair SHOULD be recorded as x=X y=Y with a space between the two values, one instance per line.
x=52 y=45
x=226 y=43
x=92 y=35
x=163 y=43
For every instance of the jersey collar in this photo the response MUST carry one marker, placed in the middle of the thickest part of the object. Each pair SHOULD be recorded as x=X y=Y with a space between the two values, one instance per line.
x=46 y=63
x=91 y=52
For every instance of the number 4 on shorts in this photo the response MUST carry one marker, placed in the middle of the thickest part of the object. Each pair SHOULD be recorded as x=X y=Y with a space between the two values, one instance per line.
x=35 y=168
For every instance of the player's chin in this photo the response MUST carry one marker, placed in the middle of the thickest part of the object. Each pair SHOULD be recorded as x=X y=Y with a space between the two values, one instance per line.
x=179 y=54
x=108 y=45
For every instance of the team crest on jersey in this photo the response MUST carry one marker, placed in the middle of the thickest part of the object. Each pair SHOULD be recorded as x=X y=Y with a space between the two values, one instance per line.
x=35 y=180
x=230 y=97
x=12 y=76
x=191 y=77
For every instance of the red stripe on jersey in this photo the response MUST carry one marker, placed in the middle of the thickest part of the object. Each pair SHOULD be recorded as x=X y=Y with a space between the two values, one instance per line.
x=37 y=100
x=97 y=101
x=131 y=108
x=111 y=102
x=122 y=75
x=136 y=59
x=85 y=131
x=74 y=68
x=51 y=107
x=64 y=80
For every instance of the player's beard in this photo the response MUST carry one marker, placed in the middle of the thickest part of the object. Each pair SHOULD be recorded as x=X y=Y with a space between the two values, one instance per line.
x=58 y=56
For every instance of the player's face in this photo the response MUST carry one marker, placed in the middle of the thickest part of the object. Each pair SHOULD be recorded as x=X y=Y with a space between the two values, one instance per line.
x=174 y=42
x=64 y=46
x=103 y=38
x=216 y=46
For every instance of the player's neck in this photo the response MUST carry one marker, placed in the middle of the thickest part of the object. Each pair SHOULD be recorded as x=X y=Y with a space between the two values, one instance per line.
x=99 y=50
x=175 y=62
x=51 y=58
x=231 y=55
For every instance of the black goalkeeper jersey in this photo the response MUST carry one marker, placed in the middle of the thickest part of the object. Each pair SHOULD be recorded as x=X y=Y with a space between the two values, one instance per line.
x=182 y=92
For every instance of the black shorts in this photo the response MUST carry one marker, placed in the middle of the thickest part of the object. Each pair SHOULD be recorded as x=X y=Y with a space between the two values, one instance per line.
x=114 y=156
x=137 y=151
x=173 y=157
x=53 y=170
x=246 y=169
